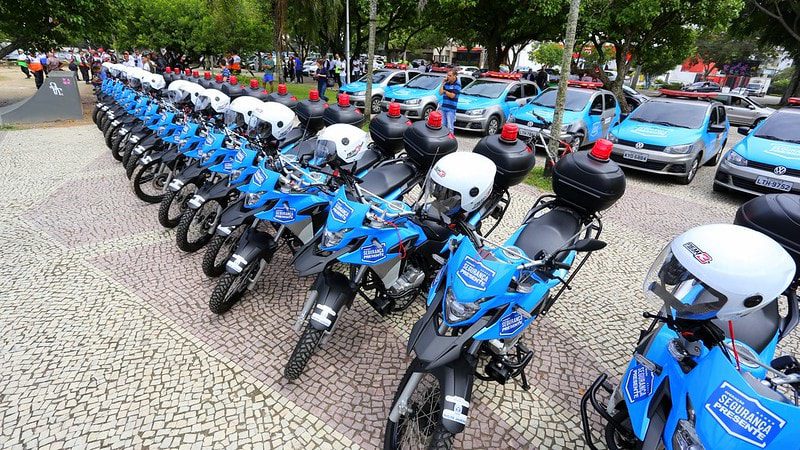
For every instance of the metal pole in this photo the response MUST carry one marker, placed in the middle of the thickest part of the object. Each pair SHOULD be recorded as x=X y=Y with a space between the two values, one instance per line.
x=347 y=40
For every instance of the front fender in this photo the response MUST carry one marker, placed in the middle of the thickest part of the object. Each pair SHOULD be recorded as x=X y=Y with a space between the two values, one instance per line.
x=334 y=292
x=310 y=260
x=191 y=172
x=233 y=216
x=252 y=246
x=214 y=191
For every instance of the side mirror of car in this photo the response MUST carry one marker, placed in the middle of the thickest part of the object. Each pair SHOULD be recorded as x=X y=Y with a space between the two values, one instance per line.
x=596 y=112
x=744 y=131
x=716 y=128
x=751 y=107
x=511 y=98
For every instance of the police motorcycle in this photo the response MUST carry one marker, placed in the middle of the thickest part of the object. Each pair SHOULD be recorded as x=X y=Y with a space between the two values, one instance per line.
x=140 y=104
x=391 y=250
x=151 y=161
x=704 y=373
x=258 y=196
x=107 y=92
x=146 y=113
x=295 y=205
x=488 y=293
x=125 y=98
x=198 y=222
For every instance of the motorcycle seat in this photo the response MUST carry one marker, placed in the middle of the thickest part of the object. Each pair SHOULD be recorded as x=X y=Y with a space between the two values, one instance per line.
x=756 y=329
x=368 y=159
x=294 y=135
x=383 y=180
x=548 y=232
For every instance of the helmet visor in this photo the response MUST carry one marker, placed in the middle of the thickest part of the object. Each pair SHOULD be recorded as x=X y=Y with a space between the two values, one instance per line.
x=441 y=201
x=324 y=152
x=175 y=95
x=673 y=286
x=202 y=102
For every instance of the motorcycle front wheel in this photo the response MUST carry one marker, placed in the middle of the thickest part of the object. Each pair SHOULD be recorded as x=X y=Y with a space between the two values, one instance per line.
x=420 y=427
x=302 y=353
x=621 y=437
x=230 y=288
x=173 y=204
x=148 y=182
x=195 y=228
x=219 y=250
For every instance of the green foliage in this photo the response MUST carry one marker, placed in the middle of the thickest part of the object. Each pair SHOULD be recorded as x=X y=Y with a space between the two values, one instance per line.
x=538 y=179
x=717 y=48
x=780 y=82
x=548 y=54
x=44 y=24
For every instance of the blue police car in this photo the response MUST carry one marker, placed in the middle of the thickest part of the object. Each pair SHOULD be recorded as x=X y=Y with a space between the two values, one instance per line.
x=420 y=96
x=485 y=104
x=381 y=79
x=768 y=158
x=672 y=135
x=589 y=113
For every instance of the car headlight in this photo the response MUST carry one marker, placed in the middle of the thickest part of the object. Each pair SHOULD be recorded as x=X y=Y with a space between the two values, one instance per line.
x=413 y=101
x=360 y=93
x=736 y=159
x=457 y=311
x=333 y=238
x=475 y=112
x=252 y=198
x=613 y=138
x=679 y=149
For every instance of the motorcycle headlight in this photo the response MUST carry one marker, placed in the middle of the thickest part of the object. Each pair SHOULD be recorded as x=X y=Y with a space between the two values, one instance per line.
x=736 y=159
x=413 y=101
x=252 y=198
x=235 y=174
x=333 y=238
x=685 y=437
x=457 y=311
x=679 y=149
x=475 y=112
x=613 y=138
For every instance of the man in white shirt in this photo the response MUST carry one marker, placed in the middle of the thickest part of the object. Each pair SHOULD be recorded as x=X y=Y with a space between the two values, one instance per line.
x=127 y=60
x=22 y=61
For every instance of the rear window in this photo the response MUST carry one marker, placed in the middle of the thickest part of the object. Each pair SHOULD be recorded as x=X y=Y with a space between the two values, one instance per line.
x=781 y=127
x=681 y=115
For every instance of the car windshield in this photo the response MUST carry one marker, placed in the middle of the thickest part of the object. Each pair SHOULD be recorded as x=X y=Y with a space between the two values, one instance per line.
x=485 y=88
x=377 y=77
x=753 y=86
x=671 y=114
x=781 y=127
x=425 y=82
x=576 y=100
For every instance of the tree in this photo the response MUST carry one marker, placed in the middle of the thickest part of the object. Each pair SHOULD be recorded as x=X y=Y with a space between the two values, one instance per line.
x=548 y=54
x=373 y=13
x=33 y=23
x=719 y=48
x=635 y=27
x=774 y=22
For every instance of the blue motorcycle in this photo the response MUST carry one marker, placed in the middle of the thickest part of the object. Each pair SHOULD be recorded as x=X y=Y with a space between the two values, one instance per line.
x=488 y=293
x=700 y=382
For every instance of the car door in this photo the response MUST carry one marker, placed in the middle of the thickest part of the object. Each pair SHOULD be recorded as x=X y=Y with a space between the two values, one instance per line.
x=738 y=110
x=712 y=140
x=529 y=91
x=609 y=113
x=594 y=120
x=513 y=95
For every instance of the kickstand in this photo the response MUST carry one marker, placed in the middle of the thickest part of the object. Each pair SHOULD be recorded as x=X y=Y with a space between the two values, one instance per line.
x=524 y=378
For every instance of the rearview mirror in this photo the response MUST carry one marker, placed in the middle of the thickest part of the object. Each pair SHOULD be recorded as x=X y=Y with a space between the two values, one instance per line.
x=716 y=128
x=595 y=112
x=744 y=131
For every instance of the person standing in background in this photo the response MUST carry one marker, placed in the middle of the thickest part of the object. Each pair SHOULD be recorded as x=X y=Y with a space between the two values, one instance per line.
x=337 y=69
x=298 y=69
x=236 y=64
x=541 y=79
x=322 y=79
x=74 y=63
x=137 y=59
x=53 y=63
x=22 y=62
x=450 y=91
x=86 y=59
x=343 y=72
x=37 y=68
x=269 y=70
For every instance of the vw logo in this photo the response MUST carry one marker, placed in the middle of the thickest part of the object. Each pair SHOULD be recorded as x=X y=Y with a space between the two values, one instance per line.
x=780 y=170
x=530 y=124
x=639 y=145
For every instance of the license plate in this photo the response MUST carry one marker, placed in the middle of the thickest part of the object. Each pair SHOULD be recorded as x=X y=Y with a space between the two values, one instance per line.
x=772 y=183
x=641 y=157
x=526 y=132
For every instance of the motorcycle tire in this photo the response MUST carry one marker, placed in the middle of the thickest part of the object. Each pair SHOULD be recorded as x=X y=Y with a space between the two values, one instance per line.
x=302 y=353
x=106 y=124
x=95 y=112
x=116 y=147
x=216 y=252
x=130 y=166
x=222 y=299
x=109 y=135
x=147 y=175
x=440 y=439
x=619 y=441
x=101 y=117
x=170 y=200
x=126 y=150
x=206 y=212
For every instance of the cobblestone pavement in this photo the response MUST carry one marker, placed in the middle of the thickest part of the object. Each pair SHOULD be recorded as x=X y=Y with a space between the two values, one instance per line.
x=107 y=340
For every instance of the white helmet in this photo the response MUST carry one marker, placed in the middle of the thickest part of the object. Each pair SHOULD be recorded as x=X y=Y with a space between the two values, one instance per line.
x=244 y=107
x=720 y=272
x=212 y=98
x=345 y=141
x=192 y=89
x=459 y=181
x=278 y=117
x=154 y=81
x=175 y=92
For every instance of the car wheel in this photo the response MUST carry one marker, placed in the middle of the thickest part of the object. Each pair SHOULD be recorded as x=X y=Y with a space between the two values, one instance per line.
x=427 y=111
x=375 y=105
x=695 y=165
x=492 y=126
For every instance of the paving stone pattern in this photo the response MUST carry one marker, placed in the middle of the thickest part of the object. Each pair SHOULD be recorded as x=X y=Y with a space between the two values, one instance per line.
x=107 y=340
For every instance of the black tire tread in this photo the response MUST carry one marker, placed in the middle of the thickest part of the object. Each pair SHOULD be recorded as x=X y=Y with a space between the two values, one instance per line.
x=182 y=232
x=301 y=355
x=217 y=304
x=163 y=210
x=212 y=251
x=137 y=189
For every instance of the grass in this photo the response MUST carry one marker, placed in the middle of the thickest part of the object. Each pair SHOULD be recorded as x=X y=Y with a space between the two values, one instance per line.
x=537 y=179
x=7 y=127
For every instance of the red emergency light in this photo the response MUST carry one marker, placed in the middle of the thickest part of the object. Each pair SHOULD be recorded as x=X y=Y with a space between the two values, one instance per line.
x=502 y=75
x=585 y=84
x=439 y=69
x=794 y=101
x=686 y=94
x=282 y=89
x=395 y=66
